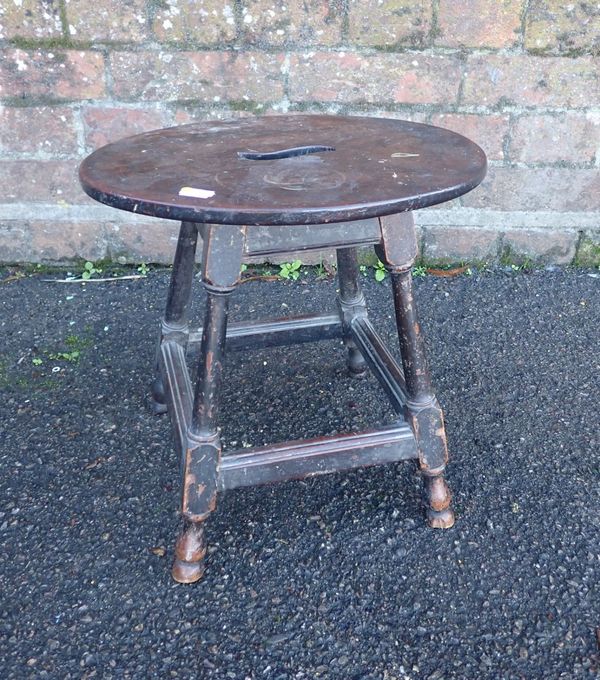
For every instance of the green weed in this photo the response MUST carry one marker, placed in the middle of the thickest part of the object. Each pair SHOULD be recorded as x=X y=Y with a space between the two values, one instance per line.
x=72 y=357
x=290 y=270
x=379 y=271
x=89 y=269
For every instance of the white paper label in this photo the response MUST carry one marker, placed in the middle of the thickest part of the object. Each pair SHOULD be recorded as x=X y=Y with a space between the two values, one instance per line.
x=192 y=192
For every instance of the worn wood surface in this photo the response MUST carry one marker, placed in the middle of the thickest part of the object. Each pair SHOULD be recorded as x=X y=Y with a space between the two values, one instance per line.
x=305 y=458
x=378 y=167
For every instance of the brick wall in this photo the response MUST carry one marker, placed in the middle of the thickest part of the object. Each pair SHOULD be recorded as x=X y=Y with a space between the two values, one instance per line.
x=520 y=77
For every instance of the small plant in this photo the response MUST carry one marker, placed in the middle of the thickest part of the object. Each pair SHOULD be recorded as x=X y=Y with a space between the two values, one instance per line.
x=72 y=350
x=72 y=356
x=363 y=269
x=419 y=270
x=321 y=269
x=290 y=270
x=89 y=270
x=243 y=268
x=143 y=269
x=379 y=271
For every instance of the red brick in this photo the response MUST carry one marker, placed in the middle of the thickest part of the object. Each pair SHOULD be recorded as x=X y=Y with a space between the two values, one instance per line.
x=107 y=124
x=64 y=241
x=207 y=76
x=557 y=26
x=143 y=242
x=57 y=75
x=555 y=247
x=30 y=19
x=190 y=114
x=496 y=79
x=15 y=242
x=571 y=137
x=399 y=78
x=457 y=244
x=107 y=20
x=43 y=130
x=41 y=181
x=208 y=22
x=487 y=131
x=386 y=23
x=479 y=23
x=561 y=189
x=313 y=22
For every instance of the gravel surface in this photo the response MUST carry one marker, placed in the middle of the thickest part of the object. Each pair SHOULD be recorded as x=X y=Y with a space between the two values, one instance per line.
x=334 y=577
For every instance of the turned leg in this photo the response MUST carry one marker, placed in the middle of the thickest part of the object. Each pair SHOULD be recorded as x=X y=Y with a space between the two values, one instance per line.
x=423 y=411
x=397 y=251
x=220 y=269
x=175 y=322
x=352 y=303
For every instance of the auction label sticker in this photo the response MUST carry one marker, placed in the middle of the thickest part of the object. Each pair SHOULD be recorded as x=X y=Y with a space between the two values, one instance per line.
x=192 y=192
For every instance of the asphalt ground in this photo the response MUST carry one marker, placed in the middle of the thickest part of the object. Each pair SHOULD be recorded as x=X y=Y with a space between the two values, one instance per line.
x=332 y=577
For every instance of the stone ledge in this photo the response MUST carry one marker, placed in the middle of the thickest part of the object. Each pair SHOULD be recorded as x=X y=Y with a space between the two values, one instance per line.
x=437 y=217
x=61 y=235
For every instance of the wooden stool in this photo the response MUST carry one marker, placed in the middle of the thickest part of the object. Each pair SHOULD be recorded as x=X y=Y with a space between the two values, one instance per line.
x=260 y=186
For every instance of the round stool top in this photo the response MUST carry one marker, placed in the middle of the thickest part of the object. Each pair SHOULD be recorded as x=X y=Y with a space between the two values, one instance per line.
x=292 y=169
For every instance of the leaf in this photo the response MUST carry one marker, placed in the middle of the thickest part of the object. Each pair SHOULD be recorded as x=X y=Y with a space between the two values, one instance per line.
x=86 y=275
x=379 y=274
x=37 y=361
x=89 y=266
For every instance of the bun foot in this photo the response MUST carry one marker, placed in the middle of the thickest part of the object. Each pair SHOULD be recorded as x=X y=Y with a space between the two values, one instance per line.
x=157 y=408
x=440 y=520
x=190 y=551
x=439 y=513
x=356 y=363
x=158 y=399
x=187 y=572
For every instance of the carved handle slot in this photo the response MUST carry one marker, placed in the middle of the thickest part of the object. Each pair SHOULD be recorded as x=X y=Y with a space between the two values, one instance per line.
x=284 y=153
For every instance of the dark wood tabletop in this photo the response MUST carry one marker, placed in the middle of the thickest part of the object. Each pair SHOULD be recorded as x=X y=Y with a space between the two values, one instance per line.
x=288 y=169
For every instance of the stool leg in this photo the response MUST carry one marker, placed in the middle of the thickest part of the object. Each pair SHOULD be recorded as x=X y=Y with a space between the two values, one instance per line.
x=204 y=446
x=422 y=409
x=175 y=322
x=352 y=304
x=220 y=269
